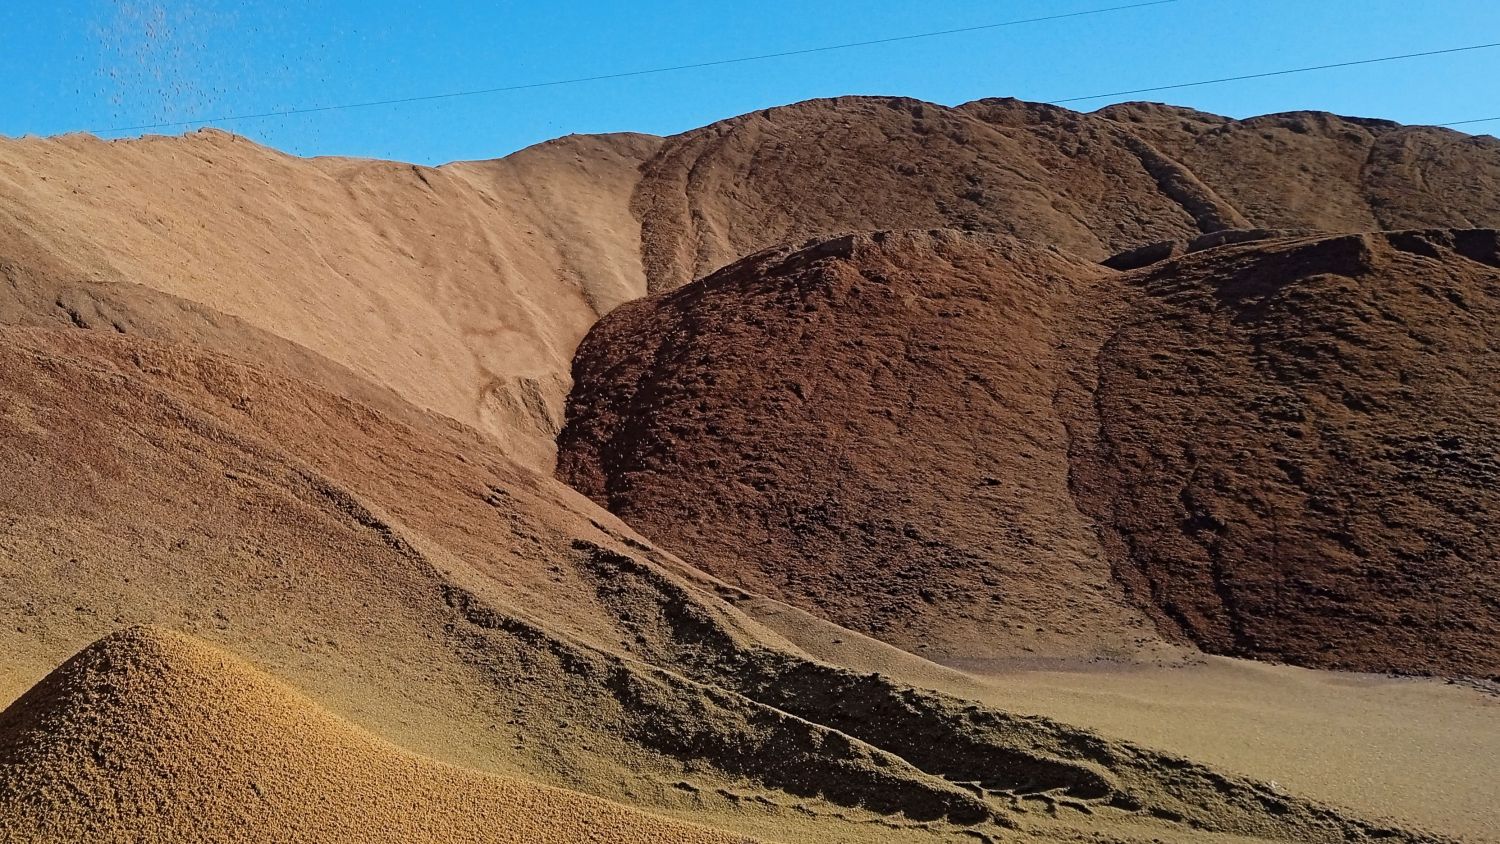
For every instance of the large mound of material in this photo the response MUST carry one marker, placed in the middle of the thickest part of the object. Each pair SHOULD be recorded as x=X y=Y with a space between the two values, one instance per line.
x=1286 y=447
x=305 y=411
x=149 y=735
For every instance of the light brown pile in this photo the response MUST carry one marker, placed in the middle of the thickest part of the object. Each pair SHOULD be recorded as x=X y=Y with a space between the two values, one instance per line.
x=149 y=735
x=463 y=289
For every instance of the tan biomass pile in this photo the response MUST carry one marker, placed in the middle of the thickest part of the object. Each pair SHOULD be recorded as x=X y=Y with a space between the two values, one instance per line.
x=463 y=288
x=149 y=735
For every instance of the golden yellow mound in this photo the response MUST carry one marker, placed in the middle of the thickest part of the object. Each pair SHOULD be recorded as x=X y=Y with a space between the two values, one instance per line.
x=149 y=735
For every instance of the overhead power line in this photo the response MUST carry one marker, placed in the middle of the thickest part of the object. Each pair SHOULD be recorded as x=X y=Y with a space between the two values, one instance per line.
x=1286 y=72
x=632 y=73
x=1467 y=122
x=827 y=48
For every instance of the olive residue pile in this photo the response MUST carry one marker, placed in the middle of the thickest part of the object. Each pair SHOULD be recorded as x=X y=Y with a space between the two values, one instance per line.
x=742 y=485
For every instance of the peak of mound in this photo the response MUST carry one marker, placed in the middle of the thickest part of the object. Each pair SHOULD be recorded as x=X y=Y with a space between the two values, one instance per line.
x=1094 y=184
x=153 y=735
x=140 y=667
x=1142 y=111
x=638 y=145
x=908 y=249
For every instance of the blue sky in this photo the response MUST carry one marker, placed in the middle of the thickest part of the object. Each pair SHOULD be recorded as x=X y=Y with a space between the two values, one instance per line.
x=96 y=64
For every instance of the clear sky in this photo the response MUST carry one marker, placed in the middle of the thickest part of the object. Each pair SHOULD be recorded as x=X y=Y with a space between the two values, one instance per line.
x=70 y=65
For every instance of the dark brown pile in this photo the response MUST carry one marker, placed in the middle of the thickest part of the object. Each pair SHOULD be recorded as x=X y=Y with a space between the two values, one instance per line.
x=973 y=447
x=1298 y=453
x=867 y=427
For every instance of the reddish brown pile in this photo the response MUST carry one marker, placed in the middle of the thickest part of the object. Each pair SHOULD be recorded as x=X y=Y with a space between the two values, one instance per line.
x=1285 y=446
x=865 y=427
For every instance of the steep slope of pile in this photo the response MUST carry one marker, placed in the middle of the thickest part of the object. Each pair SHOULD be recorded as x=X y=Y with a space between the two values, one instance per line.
x=412 y=579
x=35 y=295
x=149 y=735
x=463 y=289
x=867 y=428
x=1297 y=455
x=974 y=448
x=1093 y=184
